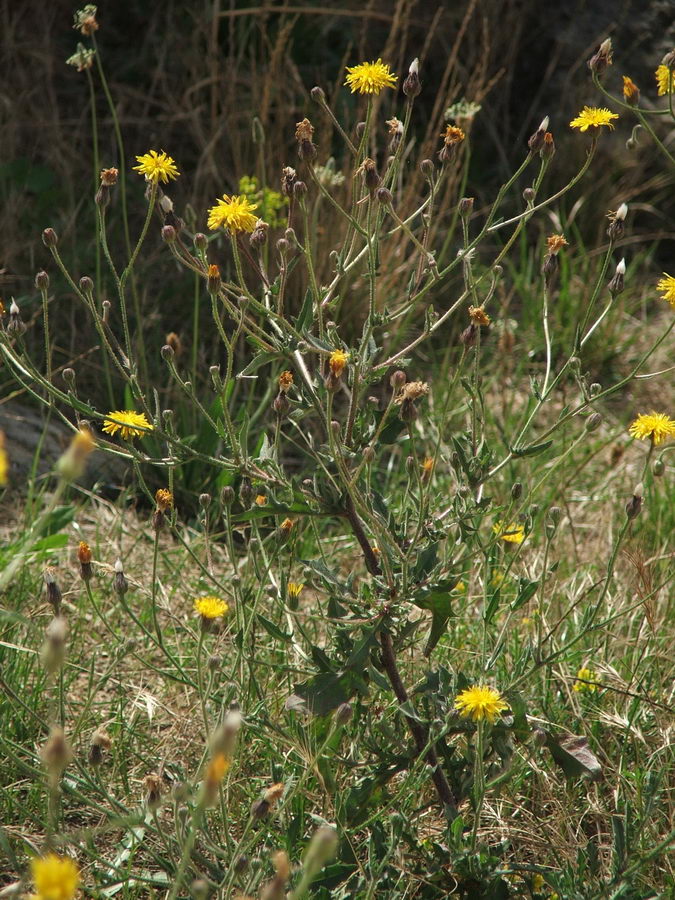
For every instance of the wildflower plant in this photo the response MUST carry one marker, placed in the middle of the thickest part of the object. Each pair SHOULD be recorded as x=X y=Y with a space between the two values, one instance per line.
x=324 y=527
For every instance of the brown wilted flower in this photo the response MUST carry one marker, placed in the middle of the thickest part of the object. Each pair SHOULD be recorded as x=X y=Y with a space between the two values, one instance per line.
x=395 y=132
x=412 y=391
x=164 y=499
x=100 y=741
x=452 y=137
x=173 y=340
x=213 y=279
x=555 y=243
x=371 y=179
x=478 y=316
x=54 y=648
x=536 y=141
x=85 y=20
x=303 y=135
x=259 y=234
x=153 y=791
x=602 y=58
x=109 y=177
x=288 y=179
x=286 y=527
x=56 y=753
x=285 y=381
x=53 y=589
x=84 y=559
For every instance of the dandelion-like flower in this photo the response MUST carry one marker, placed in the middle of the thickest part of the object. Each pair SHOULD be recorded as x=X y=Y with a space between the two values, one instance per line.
x=55 y=877
x=667 y=287
x=631 y=92
x=513 y=533
x=584 y=676
x=82 y=59
x=337 y=362
x=156 y=167
x=234 y=213
x=293 y=589
x=653 y=426
x=370 y=78
x=453 y=134
x=480 y=703
x=211 y=607
x=130 y=424
x=478 y=316
x=593 y=117
x=163 y=499
x=285 y=381
x=665 y=78
x=261 y=500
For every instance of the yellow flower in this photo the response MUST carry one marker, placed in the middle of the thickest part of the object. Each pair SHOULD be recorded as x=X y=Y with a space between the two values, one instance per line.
x=4 y=460
x=261 y=500
x=631 y=92
x=234 y=213
x=72 y=463
x=211 y=607
x=663 y=80
x=163 y=499
x=511 y=533
x=478 y=316
x=479 y=703
x=217 y=769
x=538 y=884
x=294 y=590
x=55 y=877
x=586 y=675
x=156 y=167
x=337 y=362
x=453 y=134
x=652 y=426
x=130 y=424
x=667 y=287
x=370 y=78
x=285 y=381
x=592 y=117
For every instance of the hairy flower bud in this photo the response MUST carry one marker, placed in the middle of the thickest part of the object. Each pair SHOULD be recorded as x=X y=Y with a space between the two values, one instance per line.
x=42 y=281
x=168 y=234
x=536 y=141
x=616 y=285
x=317 y=94
x=49 y=237
x=120 y=583
x=411 y=85
x=602 y=58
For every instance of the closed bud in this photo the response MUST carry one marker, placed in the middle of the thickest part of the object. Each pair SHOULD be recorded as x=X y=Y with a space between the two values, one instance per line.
x=317 y=94
x=593 y=422
x=368 y=454
x=242 y=862
x=528 y=195
x=42 y=281
x=227 y=496
x=199 y=889
x=427 y=168
x=536 y=141
x=167 y=352
x=299 y=189
x=68 y=376
x=384 y=196
x=634 y=505
x=120 y=583
x=168 y=234
x=548 y=148
x=616 y=285
x=281 y=404
x=201 y=242
x=411 y=85
x=86 y=285
x=555 y=515
x=205 y=500
x=283 y=246
x=360 y=128
x=54 y=649
x=336 y=428
x=398 y=379
x=245 y=492
x=516 y=490
x=213 y=279
x=465 y=207
x=49 y=237
x=16 y=325
x=595 y=389
x=659 y=467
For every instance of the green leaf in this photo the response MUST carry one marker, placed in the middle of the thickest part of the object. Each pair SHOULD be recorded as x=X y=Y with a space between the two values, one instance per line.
x=426 y=560
x=273 y=629
x=527 y=590
x=56 y=520
x=305 y=315
x=260 y=359
x=325 y=692
x=438 y=602
x=531 y=451
x=53 y=542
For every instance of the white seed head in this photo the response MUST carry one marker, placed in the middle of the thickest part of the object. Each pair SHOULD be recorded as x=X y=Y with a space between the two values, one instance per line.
x=13 y=308
x=544 y=124
x=414 y=66
x=118 y=565
x=638 y=490
x=621 y=212
x=621 y=268
x=166 y=204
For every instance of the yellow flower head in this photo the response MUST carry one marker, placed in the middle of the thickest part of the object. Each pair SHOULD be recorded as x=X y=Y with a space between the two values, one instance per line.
x=479 y=703
x=370 y=78
x=217 y=768
x=511 y=533
x=653 y=426
x=261 y=500
x=592 y=117
x=234 y=213
x=665 y=78
x=478 y=316
x=130 y=424
x=163 y=499
x=294 y=590
x=156 y=167
x=583 y=676
x=285 y=381
x=667 y=287
x=55 y=877
x=555 y=243
x=4 y=460
x=337 y=362
x=211 y=607
x=631 y=92
x=452 y=135
x=427 y=466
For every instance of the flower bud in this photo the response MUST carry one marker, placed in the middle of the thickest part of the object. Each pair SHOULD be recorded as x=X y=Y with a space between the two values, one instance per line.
x=227 y=496
x=536 y=141
x=595 y=389
x=398 y=379
x=465 y=207
x=168 y=234
x=593 y=422
x=411 y=85
x=616 y=285
x=259 y=235
x=213 y=279
x=317 y=94
x=42 y=281
x=299 y=189
x=49 y=237
x=384 y=196
x=167 y=352
x=516 y=490
x=603 y=58
x=205 y=500
x=548 y=149
x=634 y=505
x=16 y=325
x=86 y=285
x=616 y=227
x=528 y=195
x=201 y=242
x=54 y=595
x=427 y=168
x=120 y=583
